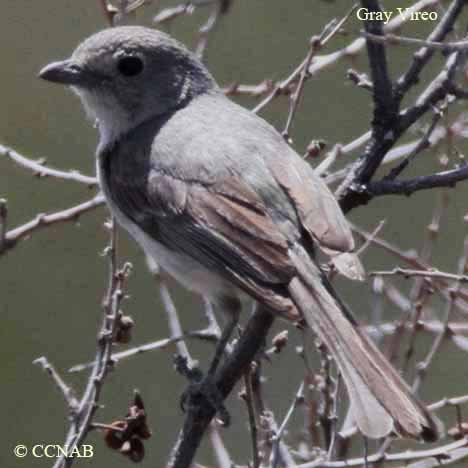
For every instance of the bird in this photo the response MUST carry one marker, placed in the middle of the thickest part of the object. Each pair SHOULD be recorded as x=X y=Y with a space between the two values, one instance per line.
x=217 y=197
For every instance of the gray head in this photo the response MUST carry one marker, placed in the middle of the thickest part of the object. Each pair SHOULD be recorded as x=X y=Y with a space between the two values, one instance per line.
x=129 y=74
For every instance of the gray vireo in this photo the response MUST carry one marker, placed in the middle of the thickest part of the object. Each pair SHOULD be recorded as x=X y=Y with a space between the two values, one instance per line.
x=217 y=198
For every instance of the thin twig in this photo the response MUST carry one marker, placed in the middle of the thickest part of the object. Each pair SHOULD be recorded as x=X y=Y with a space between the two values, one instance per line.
x=81 y=423
x=204 y=335
x=395 y=39
x=205 y=31
x=442 y=453
x=422 y=144
x=407 y=273
x=316 y=43
x=187 y=8
x=65 y=389
x=107 y=10
x=422 y=367
x=413 y=260
x=357 y=46
x=279 y=433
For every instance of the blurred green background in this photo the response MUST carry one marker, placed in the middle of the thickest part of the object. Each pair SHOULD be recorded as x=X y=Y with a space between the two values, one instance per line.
x=52 y=284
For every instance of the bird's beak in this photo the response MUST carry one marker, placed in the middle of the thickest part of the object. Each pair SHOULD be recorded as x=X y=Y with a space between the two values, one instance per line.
x=66 y=72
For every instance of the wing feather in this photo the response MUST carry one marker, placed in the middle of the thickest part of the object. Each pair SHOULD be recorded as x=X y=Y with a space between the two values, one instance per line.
x=316 y=206
x=226 y=226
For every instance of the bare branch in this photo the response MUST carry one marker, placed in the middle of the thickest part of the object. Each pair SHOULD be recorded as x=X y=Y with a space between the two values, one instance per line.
x=44 y=220
x=407 y=273
x=395 y=39
x=40 y=170
x=407 y=187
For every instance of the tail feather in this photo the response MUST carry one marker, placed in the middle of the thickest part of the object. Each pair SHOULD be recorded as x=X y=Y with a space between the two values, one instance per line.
x=380 y=400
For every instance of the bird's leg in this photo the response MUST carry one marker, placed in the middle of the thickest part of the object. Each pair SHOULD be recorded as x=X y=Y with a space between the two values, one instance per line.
x=204 y=385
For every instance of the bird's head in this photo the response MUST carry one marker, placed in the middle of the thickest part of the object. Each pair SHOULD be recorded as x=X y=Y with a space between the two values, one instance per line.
x=129 y=74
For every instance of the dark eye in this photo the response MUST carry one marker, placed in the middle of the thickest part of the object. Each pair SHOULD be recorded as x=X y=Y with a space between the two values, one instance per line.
x=130 y=65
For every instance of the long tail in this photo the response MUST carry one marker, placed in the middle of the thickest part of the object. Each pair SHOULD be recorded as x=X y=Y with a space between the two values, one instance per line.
x=381 y=401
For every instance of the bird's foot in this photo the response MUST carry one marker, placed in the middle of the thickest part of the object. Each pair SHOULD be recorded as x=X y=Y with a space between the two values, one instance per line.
x=202 y=388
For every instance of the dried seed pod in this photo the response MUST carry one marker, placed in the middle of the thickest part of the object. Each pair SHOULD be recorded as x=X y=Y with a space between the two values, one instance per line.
x=280 y=341
x=114 y=439
x=124 y=329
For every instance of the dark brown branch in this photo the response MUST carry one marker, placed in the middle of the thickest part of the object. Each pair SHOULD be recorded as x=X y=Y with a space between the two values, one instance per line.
x=385 y=108
x=198 y=418
x=354 y=192
x=422 y=56
x=385 y=115
x=458 y=91
x=409 y=186
x=435 y=92
x=422 y=144
x=388 y=125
